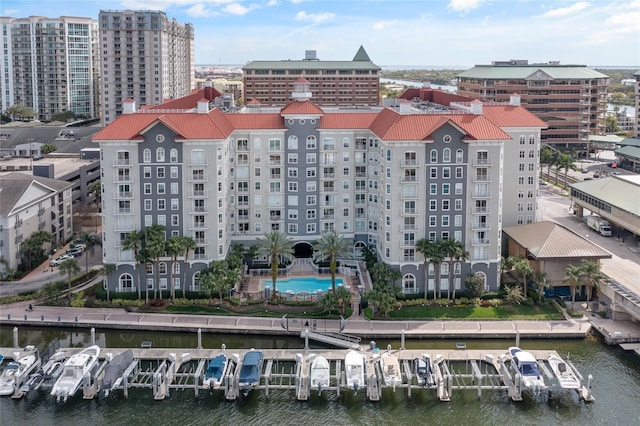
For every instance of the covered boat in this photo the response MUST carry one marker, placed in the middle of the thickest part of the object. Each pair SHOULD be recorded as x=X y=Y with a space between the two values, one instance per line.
x=73 y=372
x=15 y=373
x=115 y=369
x=320 y=374
x=526 y=366
x=216 y=372
x=566 y=376
x=354 y=369
x=423 y=371
x=250 y=371
x=390 y=367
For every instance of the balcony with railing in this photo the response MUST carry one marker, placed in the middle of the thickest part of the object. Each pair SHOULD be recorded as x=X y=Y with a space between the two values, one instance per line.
x=122 y=162
x=409 y=211
x=200 y=256
x=41 y=225
x=482 y=162
x=409 y=259
x=480 y=226
x=201 y=241
x=123 y=227
x=409 y=227
x=119 y=195
x=18 y=223
x=198 y=193
x=479 y=210
x=481 y=178
x=41 y=212
x=198 y=225
x=409 y=162
x=123 y=210
x=198 y=209
x=328 y=216
x=197 y=178
x=408 y=195
x=409 y=179
x=123 y=179
x=481 y=241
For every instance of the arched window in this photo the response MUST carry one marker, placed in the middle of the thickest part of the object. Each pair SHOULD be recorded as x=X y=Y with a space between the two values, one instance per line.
x=173 y=155
x=409 y=284
x=162 y=268
x=388 y=155
x=522 y=139
x=484 y=280
x=432 y=269
x=444 y=268
x=446 y=155
x=434 y=155
x=457 y=268
x=176 y=268
x=311 y=142
x=146 y=155
x=195 y=286
x=532 y=140
x=160 y=155
x=125 y=282
x=459 y=156
x=292 y=142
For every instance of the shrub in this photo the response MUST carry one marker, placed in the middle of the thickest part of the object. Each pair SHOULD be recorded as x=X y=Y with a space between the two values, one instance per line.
x=528 y=302
x=575 y=314
x=127 y=302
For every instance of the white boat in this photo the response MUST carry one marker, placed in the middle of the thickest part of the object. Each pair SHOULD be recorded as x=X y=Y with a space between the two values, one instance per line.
x=390 y=367
x=526 y=366
x=566 y=376
x=423 y=370
x=320 y=374
x=354 y=369
x=15 y=373
x=73 y=372
x=216 y=372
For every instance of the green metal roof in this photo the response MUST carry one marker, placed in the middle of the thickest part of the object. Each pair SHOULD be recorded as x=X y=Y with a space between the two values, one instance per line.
x=311 y=65
x=521 y=72
x=629 y=151
x=618 y=191
x=630 y=142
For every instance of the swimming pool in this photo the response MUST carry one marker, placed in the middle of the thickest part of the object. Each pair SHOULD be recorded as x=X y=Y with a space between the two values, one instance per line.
x=302 y=284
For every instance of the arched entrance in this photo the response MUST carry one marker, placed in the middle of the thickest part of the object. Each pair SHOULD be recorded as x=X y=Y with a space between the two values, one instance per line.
x=303 y=250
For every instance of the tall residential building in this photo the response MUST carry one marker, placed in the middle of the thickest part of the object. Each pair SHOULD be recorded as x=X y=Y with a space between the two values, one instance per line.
x=355 y=82
x=571 y=99
x=637 y=103
x=50 y=65
x=145 y=56
x=380 y=177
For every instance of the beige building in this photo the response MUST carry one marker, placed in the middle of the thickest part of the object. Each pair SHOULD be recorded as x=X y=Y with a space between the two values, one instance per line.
x=145 y=56
x=50 y=65
x=29 y=204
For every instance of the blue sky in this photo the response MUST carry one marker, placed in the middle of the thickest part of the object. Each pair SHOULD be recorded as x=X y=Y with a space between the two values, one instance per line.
x=393 y=32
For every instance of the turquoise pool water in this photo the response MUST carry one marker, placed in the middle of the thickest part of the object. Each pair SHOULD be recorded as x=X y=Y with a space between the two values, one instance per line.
x=299 y=284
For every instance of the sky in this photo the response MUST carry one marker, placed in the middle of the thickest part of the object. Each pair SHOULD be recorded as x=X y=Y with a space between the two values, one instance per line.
x=448 y=33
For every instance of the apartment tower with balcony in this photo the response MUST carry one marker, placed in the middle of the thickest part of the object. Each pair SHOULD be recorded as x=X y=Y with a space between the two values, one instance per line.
x=50 y=65
x=145 y=56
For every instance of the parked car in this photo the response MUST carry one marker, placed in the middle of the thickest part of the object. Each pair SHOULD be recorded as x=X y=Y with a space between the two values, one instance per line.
x=75 y=252
x=57 y=261
x=78 y=246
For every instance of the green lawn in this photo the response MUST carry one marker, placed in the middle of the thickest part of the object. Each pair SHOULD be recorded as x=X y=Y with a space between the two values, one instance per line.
x=476 y=312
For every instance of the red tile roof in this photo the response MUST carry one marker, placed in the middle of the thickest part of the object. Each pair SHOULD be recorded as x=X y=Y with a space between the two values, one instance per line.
x=356 y=120
x=189 y=101
x=511 y=116
x=305 y=107
x=433 y=95
x=256 y=121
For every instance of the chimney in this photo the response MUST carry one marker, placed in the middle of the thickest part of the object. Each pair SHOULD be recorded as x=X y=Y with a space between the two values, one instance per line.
x=208 y=90
x=476 y=107
x=514 y=99
x=301 y=91
x=405 y=107
x=129 y=106
x=203 y=106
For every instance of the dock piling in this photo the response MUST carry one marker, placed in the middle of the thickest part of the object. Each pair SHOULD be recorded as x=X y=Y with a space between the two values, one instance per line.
x=199 y=338
x=15 y=337
x=93 y=336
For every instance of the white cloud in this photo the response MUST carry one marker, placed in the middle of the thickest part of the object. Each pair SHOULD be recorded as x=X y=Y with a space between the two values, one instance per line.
x=566 y=11
x=383 y=25
x=463 y=6
x=272 y=3
x=236 y=9
x=314 y=17
x=199 y=11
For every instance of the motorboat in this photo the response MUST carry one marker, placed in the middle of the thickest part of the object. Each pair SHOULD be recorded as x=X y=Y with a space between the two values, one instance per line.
x=115 y=369
x=390 y=367
x=17 y=372
x=423 y=371
x=354 y=370
x=46 y=375
x=250 y=371
x=73 y=372
x=216 y=372
x=526 y=366
x=320 y=374
x=566 y=376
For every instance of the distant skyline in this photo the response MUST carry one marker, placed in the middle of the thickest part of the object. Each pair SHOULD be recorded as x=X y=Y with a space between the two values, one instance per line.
x=448 y=33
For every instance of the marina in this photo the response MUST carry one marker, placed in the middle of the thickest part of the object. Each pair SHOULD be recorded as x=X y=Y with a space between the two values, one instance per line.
x=236 y=372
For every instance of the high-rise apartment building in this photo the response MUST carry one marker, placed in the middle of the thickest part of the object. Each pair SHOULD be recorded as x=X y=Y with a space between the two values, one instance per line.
x=571 y=99
x=50 y=65
x=145 y=56
x=355 y=82
x=383 y=178
x=637 y=103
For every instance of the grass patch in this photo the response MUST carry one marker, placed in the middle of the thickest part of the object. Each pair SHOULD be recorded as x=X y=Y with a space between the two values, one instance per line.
x=513 y=312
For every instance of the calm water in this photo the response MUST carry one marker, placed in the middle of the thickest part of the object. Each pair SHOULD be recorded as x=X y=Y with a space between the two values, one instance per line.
x=306 y=284
x=616 y=388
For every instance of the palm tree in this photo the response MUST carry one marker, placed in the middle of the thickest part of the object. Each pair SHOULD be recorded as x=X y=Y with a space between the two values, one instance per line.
x=548 y=156
x=591 y=272
x=331 y=246
x=207 y=283
x=524 y=269
x=145 y=259
x=425 y=247
x=437 y=256
x=134 y=242
x=155 y=248
x=566 y=162
x=574 y=273
x=275 y=245
x=188 y=244
x=90 y=241
x=71 y=268
x=173 y=248
x=541 y=280
x=458 y=253
x=106 y=270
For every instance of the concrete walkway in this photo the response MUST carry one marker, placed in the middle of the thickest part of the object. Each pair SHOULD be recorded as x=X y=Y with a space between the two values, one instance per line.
x=108 y=318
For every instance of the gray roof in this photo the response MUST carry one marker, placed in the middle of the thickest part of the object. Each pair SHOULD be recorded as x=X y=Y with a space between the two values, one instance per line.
x=546 y=240
x=630 y=141
x=629 y=151
x=556 y=72
x=360 y=61
x=620 y=191
x=14 y=185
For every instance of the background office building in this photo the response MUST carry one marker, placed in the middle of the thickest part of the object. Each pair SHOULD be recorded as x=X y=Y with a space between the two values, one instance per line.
x=50 y=65
x=355 y=82
x=571 y=99
x=145 y=56
x=380 y=177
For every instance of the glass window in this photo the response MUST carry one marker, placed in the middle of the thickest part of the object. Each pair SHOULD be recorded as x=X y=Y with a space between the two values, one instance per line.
x=173 y=155
x=160 y=155
x=434 y=156
x=146 y=155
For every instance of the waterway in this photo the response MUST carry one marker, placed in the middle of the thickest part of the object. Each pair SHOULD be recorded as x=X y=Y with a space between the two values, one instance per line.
x=616 y=386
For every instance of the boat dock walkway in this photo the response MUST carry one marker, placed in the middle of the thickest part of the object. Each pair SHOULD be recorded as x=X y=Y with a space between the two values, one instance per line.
x=163 y=371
